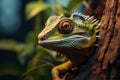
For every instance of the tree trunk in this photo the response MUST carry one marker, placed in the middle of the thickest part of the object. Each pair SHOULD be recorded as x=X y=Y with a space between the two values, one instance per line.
x=104 y=64
x=108 y=54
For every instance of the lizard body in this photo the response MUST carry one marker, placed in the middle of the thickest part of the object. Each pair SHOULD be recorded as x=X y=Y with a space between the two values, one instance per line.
x=74 y=37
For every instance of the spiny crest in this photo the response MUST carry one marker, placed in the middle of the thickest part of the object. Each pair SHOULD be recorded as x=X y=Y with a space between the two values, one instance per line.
x=87 y=17
x=91 y=19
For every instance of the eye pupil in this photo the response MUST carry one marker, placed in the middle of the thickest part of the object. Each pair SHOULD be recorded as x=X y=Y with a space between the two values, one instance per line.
x=65 y=27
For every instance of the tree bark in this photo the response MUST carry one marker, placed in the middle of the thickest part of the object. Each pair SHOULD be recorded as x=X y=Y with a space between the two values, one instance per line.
x=104 y=64
x=105 y=67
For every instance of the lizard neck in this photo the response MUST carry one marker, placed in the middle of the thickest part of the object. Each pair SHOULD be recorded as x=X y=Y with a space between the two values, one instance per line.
x=78 y=57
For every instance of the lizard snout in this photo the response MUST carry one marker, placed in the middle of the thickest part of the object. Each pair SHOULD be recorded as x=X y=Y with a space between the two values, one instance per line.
x=41 y=37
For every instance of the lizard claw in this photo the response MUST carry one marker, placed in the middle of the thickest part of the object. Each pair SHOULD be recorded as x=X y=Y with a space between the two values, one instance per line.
x=63 y=68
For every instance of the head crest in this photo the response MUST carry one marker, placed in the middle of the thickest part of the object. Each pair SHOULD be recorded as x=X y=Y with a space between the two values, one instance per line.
x=87 y=17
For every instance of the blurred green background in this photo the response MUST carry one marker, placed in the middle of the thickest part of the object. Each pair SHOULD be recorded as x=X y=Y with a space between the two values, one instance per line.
x=20 y=23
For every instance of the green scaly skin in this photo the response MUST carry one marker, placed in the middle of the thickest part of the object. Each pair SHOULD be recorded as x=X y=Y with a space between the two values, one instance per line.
x=74 y=37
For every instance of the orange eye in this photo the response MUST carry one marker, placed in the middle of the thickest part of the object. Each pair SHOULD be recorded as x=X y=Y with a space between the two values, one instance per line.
x=65 y=26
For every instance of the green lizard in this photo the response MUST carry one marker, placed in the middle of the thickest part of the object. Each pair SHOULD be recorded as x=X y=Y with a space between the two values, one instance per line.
x=74 y=37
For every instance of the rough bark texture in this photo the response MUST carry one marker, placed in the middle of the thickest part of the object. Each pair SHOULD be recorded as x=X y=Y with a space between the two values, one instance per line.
x=105 y=63
x=106 y=66
x=110 y=32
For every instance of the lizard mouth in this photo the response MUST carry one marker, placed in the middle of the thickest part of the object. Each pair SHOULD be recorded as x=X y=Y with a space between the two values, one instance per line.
x=84 y=34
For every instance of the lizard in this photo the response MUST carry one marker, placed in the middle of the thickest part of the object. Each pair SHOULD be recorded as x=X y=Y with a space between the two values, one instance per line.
x=72 y=36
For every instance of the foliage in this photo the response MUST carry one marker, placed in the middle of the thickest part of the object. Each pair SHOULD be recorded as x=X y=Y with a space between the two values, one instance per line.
x=39 y=61
x=35 y=8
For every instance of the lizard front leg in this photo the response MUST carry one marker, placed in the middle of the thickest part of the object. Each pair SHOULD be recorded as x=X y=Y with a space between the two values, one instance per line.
x=63 y=68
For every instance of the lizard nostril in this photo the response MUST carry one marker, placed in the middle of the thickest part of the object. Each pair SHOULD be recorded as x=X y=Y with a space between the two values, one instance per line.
x=41 y=37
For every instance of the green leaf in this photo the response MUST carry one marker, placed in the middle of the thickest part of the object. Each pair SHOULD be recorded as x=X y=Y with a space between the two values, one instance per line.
x=73 y=4
x=34 y=8
x=10 y=45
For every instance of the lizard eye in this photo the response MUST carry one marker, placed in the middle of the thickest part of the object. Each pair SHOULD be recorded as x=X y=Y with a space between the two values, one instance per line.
x=65 y=26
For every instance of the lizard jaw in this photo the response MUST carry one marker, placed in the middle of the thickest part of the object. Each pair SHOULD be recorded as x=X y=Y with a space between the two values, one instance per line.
x=69 y=42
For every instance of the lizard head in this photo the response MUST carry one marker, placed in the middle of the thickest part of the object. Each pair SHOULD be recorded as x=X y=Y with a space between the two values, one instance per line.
x=73 y=36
